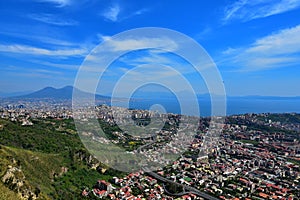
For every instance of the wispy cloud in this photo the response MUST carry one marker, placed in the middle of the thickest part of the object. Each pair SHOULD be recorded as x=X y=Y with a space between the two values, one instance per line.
x=137 y=12
x=203 y=33
x=247 y=10
x=30 y=50
x=73 y=67
x=113 y=46
x=141 y=43
x=30 y=72
x=112 y=13
x=154 y=57
x=52 y=19
x=56 y=40
x=58 y=3
x=141 y=11
x=279 y=49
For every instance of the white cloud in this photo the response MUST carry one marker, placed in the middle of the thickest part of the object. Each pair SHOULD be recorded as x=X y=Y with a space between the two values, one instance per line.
x=23 y=49
x=102 y=37
x=137 y=12
x=56 y=65
x=151 y=58
x=204 y=33
x=112 y=13
x=247 y=10
x=141 y=43
x=112 y=47
x=31 y=72
x=282 y=42
x=154 y=57
x=231 y=10
x=35 y=36
x=58 y=3
x=52 y=19
x=279 y=49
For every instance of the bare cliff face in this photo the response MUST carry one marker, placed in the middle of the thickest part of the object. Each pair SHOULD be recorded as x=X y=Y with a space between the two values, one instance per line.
x=15 y=180
x=84 y=156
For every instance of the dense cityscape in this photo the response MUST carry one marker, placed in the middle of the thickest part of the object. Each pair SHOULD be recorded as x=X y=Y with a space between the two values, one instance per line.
x=256 y=156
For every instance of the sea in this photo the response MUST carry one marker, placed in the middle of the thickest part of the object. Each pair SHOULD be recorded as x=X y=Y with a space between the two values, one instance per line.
x=233 y=106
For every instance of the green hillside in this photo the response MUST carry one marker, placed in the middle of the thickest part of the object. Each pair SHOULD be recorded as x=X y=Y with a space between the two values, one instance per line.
x=47 y=158
x=38 y=168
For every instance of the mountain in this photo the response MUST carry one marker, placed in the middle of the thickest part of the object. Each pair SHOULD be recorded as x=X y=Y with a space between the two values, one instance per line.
x=67 y=91
x=57 y=94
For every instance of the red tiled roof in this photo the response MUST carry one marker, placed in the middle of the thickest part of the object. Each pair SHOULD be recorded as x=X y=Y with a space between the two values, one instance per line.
x=243 y=180
x=280 y=193
x=263 y=195
x=102 y=192
x=284 y=190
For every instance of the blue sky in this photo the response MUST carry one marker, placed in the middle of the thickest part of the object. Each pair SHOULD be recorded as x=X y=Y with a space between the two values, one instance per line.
x=254 y=43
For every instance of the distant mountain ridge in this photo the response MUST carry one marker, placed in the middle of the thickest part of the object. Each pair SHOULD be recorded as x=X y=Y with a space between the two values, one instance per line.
x=57 y=94
x=207 y=96
x=67 y=91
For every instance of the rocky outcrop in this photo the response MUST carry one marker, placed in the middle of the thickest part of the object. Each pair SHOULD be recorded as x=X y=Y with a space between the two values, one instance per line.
x=15 y=180
x=90 y=160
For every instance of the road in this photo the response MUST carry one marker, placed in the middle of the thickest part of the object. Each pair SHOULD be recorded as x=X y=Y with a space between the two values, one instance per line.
x=186 y=187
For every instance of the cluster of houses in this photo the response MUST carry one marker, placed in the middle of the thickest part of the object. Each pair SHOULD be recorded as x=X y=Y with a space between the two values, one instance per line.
x=245 y=164
x=135 y=186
